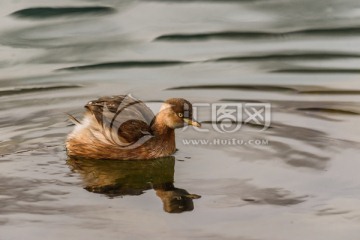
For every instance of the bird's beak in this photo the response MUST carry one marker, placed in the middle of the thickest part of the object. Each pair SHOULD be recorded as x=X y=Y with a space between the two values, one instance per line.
x=192 y=122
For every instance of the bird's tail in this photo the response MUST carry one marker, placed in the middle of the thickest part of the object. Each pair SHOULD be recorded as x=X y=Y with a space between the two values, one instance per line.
x=73 y=119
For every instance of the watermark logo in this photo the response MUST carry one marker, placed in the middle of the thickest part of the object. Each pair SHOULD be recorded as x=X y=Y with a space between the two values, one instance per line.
x=225 y=142
x=229 y=117
x=257 y=113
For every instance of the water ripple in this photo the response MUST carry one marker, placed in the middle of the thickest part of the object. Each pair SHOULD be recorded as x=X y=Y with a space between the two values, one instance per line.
x=125 y=64
x=328 y=110
x=318 y=70
x=233 y=35
x=54 y=12
x=272 y=88
x=26 y=89
x=289 y=56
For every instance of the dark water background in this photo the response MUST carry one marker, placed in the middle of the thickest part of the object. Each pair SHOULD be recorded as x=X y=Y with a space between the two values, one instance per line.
x=301 y=56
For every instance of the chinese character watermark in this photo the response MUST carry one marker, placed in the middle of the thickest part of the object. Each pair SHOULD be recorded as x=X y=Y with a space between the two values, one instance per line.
x=229 y=117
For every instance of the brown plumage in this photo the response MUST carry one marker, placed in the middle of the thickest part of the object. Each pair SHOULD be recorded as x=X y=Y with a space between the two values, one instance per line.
x=122 y=127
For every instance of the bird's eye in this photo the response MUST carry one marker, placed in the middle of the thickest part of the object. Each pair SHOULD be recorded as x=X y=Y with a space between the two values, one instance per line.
x=180 y=115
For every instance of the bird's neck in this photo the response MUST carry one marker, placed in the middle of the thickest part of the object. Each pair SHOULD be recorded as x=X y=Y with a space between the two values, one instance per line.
x=164 y=137
x=160 y=129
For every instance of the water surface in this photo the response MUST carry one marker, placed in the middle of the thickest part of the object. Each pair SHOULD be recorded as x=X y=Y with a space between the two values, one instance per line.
x=302 y=57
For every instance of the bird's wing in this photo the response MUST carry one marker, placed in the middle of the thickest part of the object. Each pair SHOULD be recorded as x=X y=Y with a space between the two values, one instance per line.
x=123 y=119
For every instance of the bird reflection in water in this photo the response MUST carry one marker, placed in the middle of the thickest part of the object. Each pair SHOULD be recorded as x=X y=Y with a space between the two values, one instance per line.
x=121 y=178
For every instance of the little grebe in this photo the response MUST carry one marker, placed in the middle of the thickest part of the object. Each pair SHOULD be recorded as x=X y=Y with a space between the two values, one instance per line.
x=122 y=127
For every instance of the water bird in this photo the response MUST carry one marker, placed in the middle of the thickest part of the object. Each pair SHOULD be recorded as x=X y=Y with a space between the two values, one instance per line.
x=123 y=127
